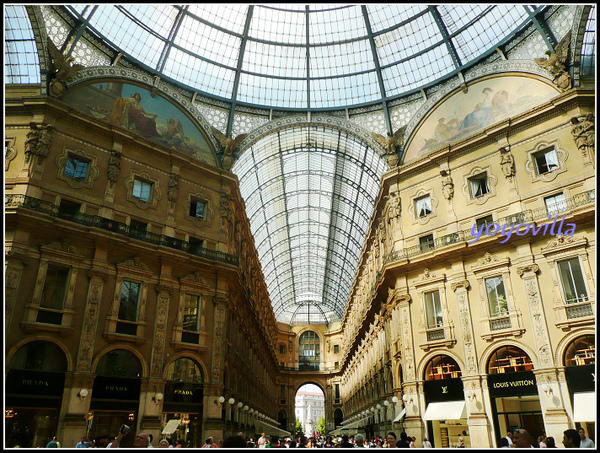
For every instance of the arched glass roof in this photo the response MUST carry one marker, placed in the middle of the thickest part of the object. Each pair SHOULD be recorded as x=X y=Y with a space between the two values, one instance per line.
x=309 y=194
x=295 y=56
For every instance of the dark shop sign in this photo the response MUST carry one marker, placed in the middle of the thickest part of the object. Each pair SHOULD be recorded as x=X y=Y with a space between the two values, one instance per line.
x=28 y=382
x=512 y=384
x=581 y=378
x=110 y=388
x=183 y=392
x=444 y=390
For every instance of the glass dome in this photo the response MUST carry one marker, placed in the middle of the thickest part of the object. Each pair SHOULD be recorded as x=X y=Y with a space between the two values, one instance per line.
x=318 y=56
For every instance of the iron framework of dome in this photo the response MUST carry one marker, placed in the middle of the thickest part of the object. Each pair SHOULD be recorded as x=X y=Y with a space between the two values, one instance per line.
x=309 y=190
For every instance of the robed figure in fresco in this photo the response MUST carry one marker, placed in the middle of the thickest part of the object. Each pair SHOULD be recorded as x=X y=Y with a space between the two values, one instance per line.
x=129 y=113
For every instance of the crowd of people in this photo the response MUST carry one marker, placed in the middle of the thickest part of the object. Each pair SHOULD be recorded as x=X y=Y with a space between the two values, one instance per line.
x=520 y=438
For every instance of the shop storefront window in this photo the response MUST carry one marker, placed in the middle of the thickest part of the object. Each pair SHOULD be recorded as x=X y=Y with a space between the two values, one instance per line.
x=509 y=359
x=442 y=367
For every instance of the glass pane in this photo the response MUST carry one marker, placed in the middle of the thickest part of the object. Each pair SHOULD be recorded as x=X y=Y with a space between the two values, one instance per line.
x=191 y=312
x=496 y=296
x=129 y=301
x=55 y=285
x=434 y=309
x=572 y=281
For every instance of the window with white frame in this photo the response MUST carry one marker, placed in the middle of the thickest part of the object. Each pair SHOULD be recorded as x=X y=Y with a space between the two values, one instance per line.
x=142 y=189
x=496 y=295
x=433 y=309
x=555 y=203
x=423 y=206
x=76 y=167
x=546 y=161
x=478 y=185
x=571 y=278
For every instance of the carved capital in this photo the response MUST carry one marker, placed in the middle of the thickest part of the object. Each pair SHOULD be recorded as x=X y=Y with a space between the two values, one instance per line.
x=462 y=284
x=96 y=273
x=534 y=268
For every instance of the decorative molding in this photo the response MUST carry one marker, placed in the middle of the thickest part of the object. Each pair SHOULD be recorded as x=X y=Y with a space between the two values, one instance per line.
x=92 y=170
x=561 y=154
x=10 y=151
x=434 y=204
x=210 y=214
x=154 y=197
x=492 y=181
x=563 y=243
x=63 y=246
x=135 y=264
x=38 y=142
x=429 y=278
x=488 y=262
x=463 y=284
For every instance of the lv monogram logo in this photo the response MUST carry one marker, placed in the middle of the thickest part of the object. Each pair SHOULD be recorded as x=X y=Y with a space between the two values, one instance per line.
x=445 y=389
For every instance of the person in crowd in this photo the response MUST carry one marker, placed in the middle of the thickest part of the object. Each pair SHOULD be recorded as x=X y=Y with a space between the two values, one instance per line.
x=328 y=442
x=412 y=442
x=53 y=443
x=359 y=441
x=542 y=441
x=236 y=441
x=151 y=437
x=571 y=438
x=379 y=443
x=509 y=438
x=460 y=442
x=209 y=443
x=141 y=441
x=521 y=439
x=262 y=441
x=426 y=443
x=550 y=442
x=83 y=443
x=403 y=441
x=390 y=438
x=503 y=443
x=346 y=442
x=164 y=443
x=303 y=442
x=288 y=443
x=586 y=442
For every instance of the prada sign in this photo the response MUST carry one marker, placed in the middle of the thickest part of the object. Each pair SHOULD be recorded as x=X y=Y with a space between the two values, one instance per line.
x=28 y=382
x=183 y=392
x=110 y=388
x=520 y=383
x=444 y=390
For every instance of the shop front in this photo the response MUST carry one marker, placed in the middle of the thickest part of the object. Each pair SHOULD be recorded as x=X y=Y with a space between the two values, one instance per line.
x=115 y=397
x=183 y=403
x=514 y=393
x=33 y=395
x=580 y=371
x=445 y=411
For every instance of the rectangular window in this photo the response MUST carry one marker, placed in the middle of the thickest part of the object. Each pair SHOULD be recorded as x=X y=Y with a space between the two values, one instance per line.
x=478 y=185
x=423 y=206
x=195 y=245
x=198 y=209
x=337 y=393
x=282 y=394
x=55 y=287
x=142 y=189
x=572 y=281
x=433 y=308
x=555 y=204
x=137 y=227
x=128 y=306
x=192 y=311
x=76 y=167
x=336 y=348
x=496 y=296
x=546 y=161
x=68 y=208
x=426 y=243
x=483 y=221
x=282 y=349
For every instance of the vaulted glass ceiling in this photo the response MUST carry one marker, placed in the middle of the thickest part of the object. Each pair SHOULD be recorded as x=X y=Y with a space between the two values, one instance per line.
x=315 y=56
x=309 y=194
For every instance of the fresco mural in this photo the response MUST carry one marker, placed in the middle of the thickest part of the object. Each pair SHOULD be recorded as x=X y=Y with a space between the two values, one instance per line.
x=486 y=103
x=134 y=108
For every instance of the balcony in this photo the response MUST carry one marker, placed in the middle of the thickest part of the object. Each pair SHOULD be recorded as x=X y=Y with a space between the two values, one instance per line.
x=500 y=323
x=579 y=310
x=45 y=207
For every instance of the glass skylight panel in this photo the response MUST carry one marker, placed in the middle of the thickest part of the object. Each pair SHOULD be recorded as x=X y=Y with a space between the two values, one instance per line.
x=383 y=17
x=127 y=34
x=198 y=73
x=341 y=59
x=208 y=42
x=21 y=60
x=274 y=60
x=270 y=24
x=348 y=90
x=336 y=25
x=159 y=18
x=269 y=91
x=231 y=17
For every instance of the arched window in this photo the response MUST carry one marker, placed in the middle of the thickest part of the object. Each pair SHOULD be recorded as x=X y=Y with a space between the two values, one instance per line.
x=184 y=370
x=119 y=363
x=309 y=347
x=282 y=419
x=40 y=356
x=442 y=367
x=509 y=359
x=581 y=351
x=338 y=417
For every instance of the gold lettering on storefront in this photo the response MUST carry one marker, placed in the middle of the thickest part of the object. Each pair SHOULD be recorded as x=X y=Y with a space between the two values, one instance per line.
x=35 y=382
x=114 y=388
x=183 y=392
x=445 y=389
x=523 y=383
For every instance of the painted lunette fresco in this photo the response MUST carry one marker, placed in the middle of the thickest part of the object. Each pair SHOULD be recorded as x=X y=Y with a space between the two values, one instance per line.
x=134 y=108
x=485 y=103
